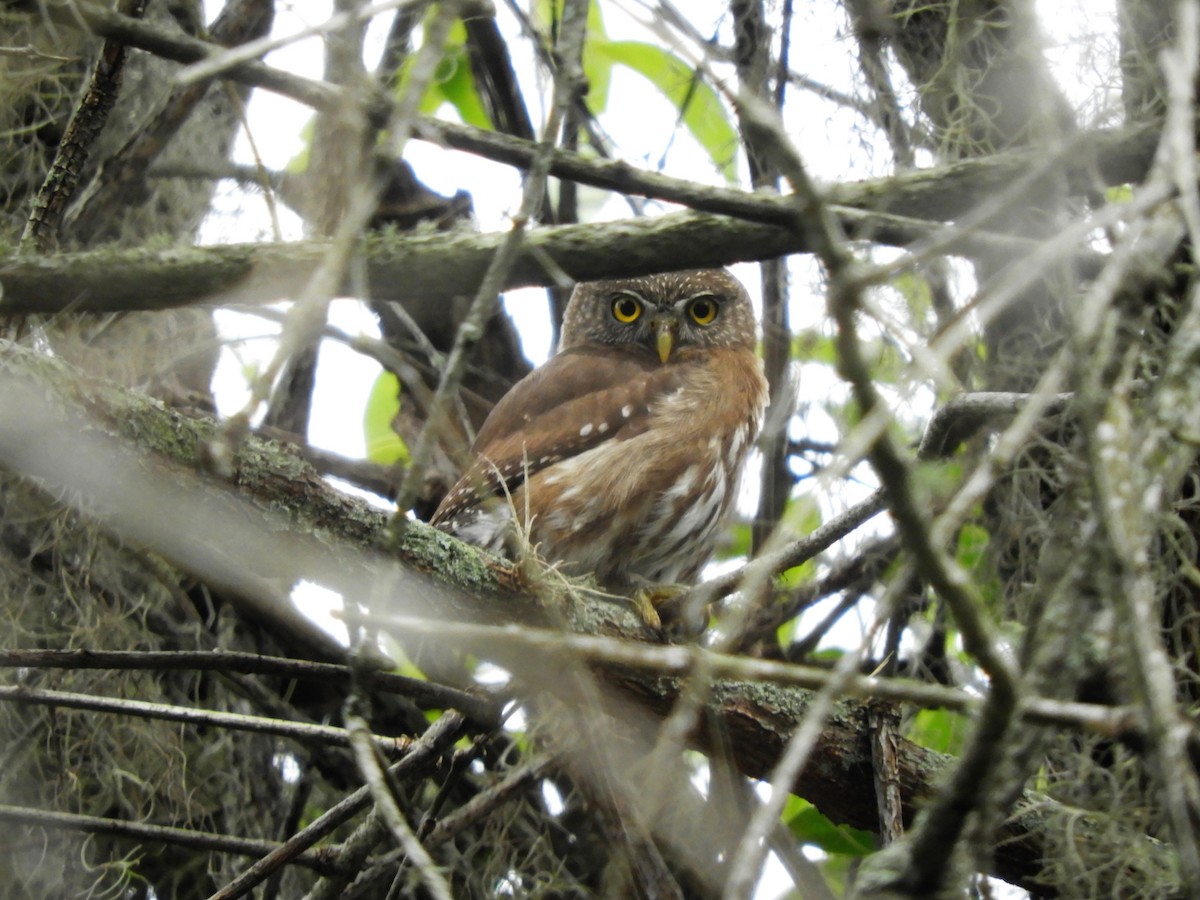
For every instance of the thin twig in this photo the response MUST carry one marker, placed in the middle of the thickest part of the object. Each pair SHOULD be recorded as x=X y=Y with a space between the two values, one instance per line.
x=161 y=834
x=299 y=731
x=884 y=723
x=440 y=735
x=307 y=317
x=425 y=694
x=485 y=801
x=374 y=774
x=222 y=62
x=789 y=556
x=91 y=115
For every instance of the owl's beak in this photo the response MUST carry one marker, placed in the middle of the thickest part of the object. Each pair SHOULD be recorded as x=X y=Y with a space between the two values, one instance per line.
x=665 y=340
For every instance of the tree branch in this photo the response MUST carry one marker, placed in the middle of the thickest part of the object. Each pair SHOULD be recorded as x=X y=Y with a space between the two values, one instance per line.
x=301 y=732
x=430 y=268
x=425 y=694
x=319 y=860
x=1117 y=157
x=297 y=526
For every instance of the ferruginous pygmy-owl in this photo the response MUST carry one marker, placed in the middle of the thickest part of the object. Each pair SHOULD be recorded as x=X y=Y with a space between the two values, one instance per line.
x=621 y=453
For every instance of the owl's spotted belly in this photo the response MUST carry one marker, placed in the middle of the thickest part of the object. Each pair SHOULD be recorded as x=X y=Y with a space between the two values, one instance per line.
x=633 y=524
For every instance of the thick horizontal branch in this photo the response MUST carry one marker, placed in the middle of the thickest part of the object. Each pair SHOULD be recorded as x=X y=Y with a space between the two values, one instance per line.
x=937 y=194
x=274 y=509
x=424 y=271
x=1120 y=722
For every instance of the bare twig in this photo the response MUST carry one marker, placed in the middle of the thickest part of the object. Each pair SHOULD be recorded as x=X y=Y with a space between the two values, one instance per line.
x=440 y=735
x=371 y=768
x=567 y=79
x=306 y=318
x=161 y=834
x=62 y=180
x=789 y=556
x=485 y=801
x=424 y=693
x=219 y=63
x=142 y=709
x=884 y=723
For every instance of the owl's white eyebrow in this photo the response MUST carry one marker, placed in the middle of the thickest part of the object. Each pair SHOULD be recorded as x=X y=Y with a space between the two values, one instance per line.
x=634 y=294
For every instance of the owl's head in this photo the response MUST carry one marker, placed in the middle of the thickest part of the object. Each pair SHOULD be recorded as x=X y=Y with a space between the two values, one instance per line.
x=703 y=308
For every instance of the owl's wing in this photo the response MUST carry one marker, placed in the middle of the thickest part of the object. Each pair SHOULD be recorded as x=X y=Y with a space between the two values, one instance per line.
x=574 y=401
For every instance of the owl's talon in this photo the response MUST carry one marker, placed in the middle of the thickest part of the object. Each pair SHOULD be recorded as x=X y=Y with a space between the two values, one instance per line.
x=645 y=600
x=668 y=609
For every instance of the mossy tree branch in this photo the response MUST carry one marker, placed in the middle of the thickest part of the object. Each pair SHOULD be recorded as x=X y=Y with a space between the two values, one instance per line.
x=266 y=489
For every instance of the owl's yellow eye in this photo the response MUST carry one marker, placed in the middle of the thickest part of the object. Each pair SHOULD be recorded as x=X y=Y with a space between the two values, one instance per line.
x=703 y=310
x=626 y=309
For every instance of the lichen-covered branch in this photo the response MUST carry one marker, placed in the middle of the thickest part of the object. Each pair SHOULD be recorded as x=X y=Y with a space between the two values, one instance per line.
x=296 y=525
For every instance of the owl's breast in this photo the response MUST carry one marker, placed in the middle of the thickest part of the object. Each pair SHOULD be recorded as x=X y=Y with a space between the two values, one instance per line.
x=649 y=508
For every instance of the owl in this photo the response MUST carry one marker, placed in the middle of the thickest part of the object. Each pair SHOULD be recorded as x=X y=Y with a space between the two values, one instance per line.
x=621 y=453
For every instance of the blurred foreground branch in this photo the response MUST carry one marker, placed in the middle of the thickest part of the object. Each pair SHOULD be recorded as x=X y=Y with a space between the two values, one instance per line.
x=108 y=450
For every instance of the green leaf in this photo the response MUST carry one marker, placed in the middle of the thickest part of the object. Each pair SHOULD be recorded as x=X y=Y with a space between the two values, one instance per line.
x=1119 y=193
x=914 y=288
x=811 y=827
x=458 y=89
x=942 y=730
x=811 y=345
x=597 y=67
x=453 y=81
x=700 y=108
x=972 y=545
x=384 y=446
x=803 y=516
x=298 y=164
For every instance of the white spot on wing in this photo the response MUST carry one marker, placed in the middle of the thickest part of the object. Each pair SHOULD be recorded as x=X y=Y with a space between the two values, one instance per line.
x=685 y=485
x=585 y=430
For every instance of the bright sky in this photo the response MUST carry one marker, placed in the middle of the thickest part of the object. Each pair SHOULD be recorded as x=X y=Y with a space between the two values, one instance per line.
x=645 y=137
